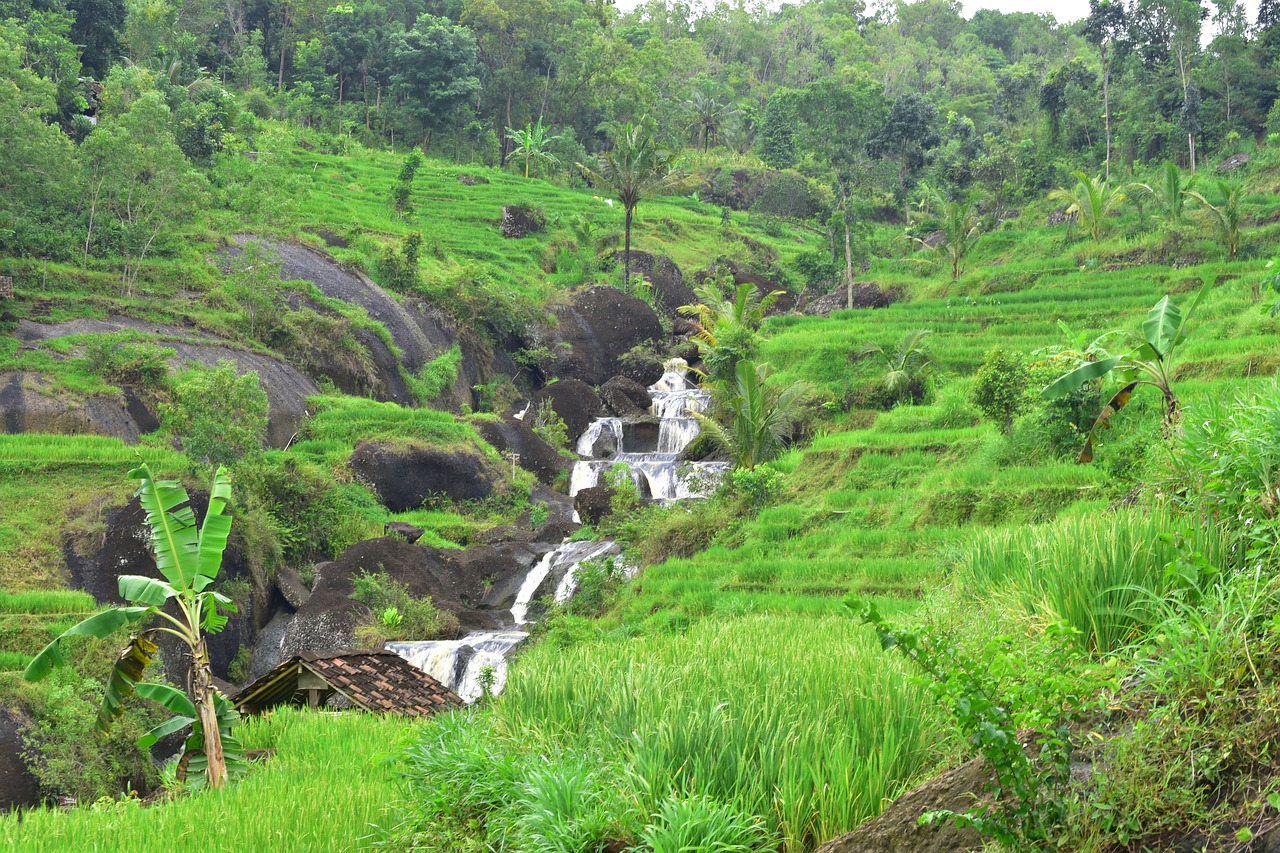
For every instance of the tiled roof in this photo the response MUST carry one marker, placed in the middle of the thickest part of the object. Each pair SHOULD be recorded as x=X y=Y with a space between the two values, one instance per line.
x=378 y=681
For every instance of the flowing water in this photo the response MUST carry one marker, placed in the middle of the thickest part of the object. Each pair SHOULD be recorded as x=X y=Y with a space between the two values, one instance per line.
x=650 y=448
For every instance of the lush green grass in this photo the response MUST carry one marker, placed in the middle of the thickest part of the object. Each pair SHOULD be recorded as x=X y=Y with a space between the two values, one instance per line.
x=46 y=601
x=800 y=720
x=321 y=790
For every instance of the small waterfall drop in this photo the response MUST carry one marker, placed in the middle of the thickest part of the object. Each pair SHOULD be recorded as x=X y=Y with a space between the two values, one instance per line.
x=653 y=461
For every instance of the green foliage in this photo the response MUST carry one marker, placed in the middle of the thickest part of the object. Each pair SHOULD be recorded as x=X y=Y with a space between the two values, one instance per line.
x=1093 y=199
x=1169 y=194
x=549 y=426
x=961 y=227
x=531 y=145
x=413 y=618
x=436 y=376
x=189 y=558
x=220 y=416
x=1029 y=789
x=1151 y=363
x=907 y=366
x=757 y=415
x=1000 y=390
x=1226 y=218
x=140 y=364
x=402 y=190
x=700 y=823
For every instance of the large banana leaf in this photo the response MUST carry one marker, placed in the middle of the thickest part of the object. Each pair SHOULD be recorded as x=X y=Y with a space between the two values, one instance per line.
x=174 y=537
x=1161 y=327
x=173 y=699
x=98 y=625
x=125 y=675
x=214 y=531
x=144 y=590
x=1078 y=378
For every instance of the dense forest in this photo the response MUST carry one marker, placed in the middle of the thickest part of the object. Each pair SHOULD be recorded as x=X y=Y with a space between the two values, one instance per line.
x=832 y=427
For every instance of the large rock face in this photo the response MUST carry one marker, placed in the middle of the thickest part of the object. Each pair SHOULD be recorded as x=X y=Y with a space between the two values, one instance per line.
x=865 y=295
x=667 y=279
x=287 y=388
x=25 y=408
x=626 y=398
x=574 y=401
x=600 y=325
x=510 y=435
x=18 y=786
x=406 y=476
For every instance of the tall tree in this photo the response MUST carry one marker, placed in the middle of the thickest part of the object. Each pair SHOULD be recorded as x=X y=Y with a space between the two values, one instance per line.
x=909 y=134
x=636 y=166
x=435 y=70
x=1105 y=28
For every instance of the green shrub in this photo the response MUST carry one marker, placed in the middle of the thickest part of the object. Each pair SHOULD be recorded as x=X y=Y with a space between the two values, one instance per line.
x=417 y=618
x=1001 y=387
x=219 y=416
x=127 y=362
x=436 y=376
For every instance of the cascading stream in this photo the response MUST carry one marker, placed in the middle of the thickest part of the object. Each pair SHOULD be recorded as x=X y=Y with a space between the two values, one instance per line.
x=650 y=449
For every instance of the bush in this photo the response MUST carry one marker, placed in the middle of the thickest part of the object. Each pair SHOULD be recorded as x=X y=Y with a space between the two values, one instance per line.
x=220 y=417
x=127 y=363
x=418 y=618
x=1001 y=388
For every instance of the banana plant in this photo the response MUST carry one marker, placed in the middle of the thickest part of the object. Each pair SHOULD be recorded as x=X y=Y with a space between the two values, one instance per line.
x=1150 y=362
x=189 y=557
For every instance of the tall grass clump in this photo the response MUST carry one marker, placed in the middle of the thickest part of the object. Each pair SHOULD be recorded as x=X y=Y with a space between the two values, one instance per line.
x=1101 y=574
x=47 y=601
x=802 y=722
x=324 y=786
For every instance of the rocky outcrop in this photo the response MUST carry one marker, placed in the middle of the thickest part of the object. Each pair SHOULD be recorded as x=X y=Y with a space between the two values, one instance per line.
x=287 y=388
x=574 y=401
x=898 y=829
x=865 y=295
x=510 y=435
x=660 y=271
x=594 y=504
x=27 y=404
x=407 y=476
x=520 y=221
x=626 y=398
x=600 y=325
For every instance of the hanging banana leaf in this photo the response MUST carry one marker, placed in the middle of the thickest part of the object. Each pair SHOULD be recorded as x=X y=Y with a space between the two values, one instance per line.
x=214 y=531
x=1078 y=378
x=174 y=537
x=1115 y=404
x=125 y=675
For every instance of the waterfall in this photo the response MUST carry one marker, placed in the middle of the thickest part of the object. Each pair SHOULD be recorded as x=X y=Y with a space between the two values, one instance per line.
x=650 y=449
x=657 y=472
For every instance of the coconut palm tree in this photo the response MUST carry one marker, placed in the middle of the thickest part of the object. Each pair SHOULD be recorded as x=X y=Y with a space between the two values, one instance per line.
x=709 y=116
x=1093 y=198
x=1226 y=218
x=1169 y=193
x=531 y=144
x=758 y=414
x=635 y=167
x=906 y=365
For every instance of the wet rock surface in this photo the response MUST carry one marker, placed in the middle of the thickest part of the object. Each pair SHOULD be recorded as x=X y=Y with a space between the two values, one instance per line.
x=624 y=397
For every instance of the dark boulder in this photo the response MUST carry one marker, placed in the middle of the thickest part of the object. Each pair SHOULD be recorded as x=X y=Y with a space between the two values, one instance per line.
x=18 y=786
x=666 y=278
x=408 y=532
x=520 y=221
x=511 y=435
x=574 y=401
x=626 y=397
x=594 y=504
x=600 y=326
x=406 y=476
x=292 y=588
x=865 y=295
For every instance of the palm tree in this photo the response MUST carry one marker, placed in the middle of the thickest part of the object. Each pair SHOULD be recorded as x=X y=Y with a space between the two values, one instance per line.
x=727 y=324
x=708 y=116
x=1093 y=199
x=961 y=229
x=1226 y=217
x=759 y=415
x=1169 y=194
x=634 y=168
x=531 y=144
x=906 y=366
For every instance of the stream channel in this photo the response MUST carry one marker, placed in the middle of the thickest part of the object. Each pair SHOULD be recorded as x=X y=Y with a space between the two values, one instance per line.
x=650 y=448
